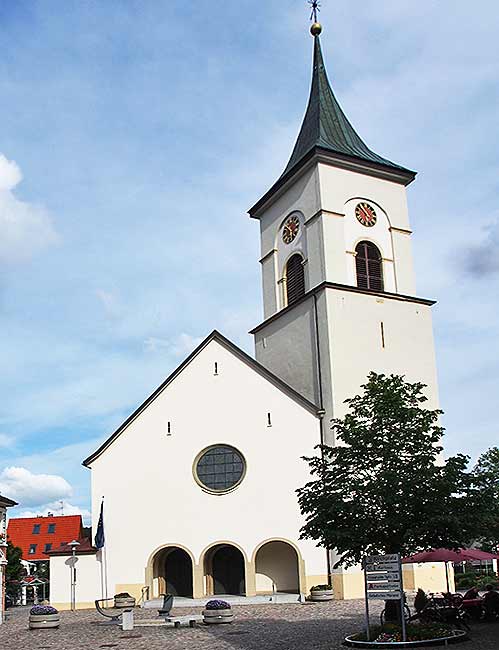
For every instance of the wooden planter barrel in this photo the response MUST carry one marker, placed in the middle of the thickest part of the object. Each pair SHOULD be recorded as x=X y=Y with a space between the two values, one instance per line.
x=124 y=603
x=43 y=621
x=217 y=616
x=320 y=595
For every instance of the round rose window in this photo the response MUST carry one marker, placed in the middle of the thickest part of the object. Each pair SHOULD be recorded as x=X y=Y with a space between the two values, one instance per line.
x=219 y=468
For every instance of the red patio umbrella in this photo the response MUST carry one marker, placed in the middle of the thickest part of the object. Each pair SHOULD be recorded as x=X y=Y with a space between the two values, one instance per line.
x=478 y=554
x=448 y=555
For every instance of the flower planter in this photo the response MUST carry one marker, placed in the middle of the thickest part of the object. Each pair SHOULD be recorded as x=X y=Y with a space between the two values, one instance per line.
x=43 y=621
x=124 y=602
x=319 y=595
x=217 y=616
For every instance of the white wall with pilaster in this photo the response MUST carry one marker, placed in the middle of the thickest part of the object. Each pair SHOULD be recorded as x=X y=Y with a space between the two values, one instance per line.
x=372 y=333
x=340 y=191
x=146 y=476
x=302 y=199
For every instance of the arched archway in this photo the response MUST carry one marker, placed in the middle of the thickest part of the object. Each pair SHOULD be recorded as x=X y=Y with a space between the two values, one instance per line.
x=224 y=569
x=172 y=572
x=277 y=568
x=178 y=573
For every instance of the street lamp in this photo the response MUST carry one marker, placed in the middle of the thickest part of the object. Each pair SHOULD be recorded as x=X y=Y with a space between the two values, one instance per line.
x=72 y=566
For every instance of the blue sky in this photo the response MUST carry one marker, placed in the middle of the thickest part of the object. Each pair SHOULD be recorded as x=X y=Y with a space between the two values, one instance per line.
x=135 y=135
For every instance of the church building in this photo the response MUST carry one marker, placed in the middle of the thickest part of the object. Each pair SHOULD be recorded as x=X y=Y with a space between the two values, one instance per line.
x=199 y=483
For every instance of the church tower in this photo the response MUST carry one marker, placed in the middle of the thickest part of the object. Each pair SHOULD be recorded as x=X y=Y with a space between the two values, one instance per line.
x=336 y=256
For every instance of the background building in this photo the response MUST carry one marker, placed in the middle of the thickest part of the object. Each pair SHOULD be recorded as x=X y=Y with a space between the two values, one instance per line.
x=37 y=536
x=4 y=504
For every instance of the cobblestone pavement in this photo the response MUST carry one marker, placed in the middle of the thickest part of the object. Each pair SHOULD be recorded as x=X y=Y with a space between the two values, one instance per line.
x=314 y=626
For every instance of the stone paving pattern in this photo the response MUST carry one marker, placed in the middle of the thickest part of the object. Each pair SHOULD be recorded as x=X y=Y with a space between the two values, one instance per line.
x=313 y=626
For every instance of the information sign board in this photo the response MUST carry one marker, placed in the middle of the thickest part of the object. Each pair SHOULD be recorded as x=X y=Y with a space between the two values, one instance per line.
x=393 y=557
x=383 y=581
x=385 y=595
x=384 y=575
x=383 y=586
x=382 y=566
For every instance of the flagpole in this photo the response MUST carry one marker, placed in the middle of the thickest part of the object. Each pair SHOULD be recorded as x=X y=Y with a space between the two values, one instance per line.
x=101 y=574
x=100 y=543
x=105 y=569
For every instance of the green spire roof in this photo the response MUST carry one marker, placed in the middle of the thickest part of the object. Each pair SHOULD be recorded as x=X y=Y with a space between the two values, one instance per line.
x=326 y=126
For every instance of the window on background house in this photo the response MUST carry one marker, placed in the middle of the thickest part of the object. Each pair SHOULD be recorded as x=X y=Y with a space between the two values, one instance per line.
x=32 y=549
x=369 y=266
x=36 y=529
x=51 y=528
x=295 y=279
x=48 y=547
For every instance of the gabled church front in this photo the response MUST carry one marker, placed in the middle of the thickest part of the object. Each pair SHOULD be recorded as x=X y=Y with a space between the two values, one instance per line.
x=199 y=483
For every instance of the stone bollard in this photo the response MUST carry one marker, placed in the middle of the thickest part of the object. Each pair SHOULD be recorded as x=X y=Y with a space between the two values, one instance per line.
x=127 y=620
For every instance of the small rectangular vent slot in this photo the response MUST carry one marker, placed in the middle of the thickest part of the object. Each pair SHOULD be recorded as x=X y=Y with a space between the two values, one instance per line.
x=269 y=420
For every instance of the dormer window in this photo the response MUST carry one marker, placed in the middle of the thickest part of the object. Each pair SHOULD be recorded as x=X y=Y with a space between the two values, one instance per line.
x=369 y=266
x=295 y=279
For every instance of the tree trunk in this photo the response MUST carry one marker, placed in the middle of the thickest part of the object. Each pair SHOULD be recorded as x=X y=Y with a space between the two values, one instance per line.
x=392 y=611
x=393 y=608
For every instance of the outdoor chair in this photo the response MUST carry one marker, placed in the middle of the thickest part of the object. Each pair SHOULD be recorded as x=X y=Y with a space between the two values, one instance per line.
x=167 y=606
x=443 y=610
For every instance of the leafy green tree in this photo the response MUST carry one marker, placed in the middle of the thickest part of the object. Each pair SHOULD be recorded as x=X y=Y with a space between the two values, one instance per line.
x=487 y=471
x=386 y=488
x=14 y=571
x=42 y=569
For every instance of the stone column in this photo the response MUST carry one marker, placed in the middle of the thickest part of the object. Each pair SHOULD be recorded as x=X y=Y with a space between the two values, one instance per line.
x=198 y=581
x=250 y=579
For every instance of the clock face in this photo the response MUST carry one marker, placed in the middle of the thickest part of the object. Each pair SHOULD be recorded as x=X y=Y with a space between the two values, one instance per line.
x=290 y=230
x=365 y=214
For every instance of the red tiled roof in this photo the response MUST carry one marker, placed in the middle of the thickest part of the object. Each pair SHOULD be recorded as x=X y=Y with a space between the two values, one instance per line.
x=85 y=548
x=20 y=532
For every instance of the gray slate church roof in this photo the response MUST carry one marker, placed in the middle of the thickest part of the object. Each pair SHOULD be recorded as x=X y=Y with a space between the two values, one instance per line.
x=327 y=131
x=325 y=124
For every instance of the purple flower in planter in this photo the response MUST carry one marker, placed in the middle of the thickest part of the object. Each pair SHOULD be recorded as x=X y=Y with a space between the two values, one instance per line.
x=43 y=610
x=217 y=604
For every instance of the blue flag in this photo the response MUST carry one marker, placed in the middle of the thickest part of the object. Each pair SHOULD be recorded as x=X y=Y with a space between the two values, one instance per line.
x=100 y=539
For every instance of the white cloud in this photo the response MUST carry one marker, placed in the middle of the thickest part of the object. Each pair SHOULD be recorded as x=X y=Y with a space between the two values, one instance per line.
x=25 y=227
x=30 y=489
x=10 y=174
x=56 y=509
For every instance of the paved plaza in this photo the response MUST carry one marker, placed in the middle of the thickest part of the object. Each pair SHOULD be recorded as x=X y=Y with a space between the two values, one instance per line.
x=314 y=626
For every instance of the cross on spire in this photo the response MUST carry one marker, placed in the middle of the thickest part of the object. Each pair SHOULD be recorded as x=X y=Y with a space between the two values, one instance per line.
x=316 y=7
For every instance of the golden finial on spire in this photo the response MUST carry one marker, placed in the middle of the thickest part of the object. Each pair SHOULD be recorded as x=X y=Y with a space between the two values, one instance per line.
x=316 y=28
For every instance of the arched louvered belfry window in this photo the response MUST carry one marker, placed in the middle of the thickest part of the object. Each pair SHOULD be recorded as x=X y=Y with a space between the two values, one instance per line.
x=369 y=266
x=295 y=279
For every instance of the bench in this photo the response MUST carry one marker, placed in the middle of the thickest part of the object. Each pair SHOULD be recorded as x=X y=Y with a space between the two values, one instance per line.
x=175 y=622
x=114 y=615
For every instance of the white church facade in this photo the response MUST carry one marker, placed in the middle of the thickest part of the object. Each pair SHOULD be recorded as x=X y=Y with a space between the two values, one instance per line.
x=199 y=484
